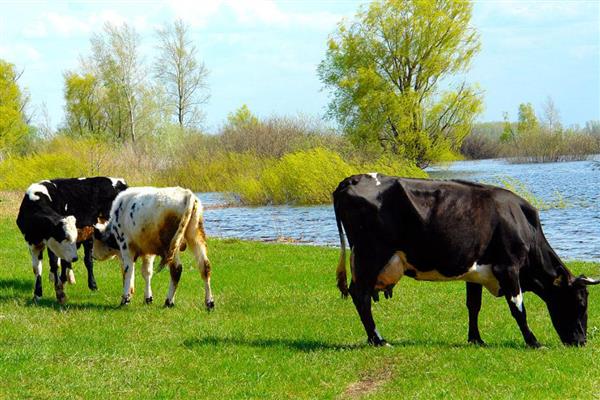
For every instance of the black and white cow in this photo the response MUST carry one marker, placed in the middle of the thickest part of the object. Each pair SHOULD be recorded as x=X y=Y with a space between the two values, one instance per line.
x=146 y=222
x=453 y=230
x=60 y=214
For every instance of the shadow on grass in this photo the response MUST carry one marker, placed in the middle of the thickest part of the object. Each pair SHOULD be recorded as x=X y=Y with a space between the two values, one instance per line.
x=308 y=345
x=455 y=345
x=16 y=289
x=17 y=285
x=51 y=303
x=303 y=345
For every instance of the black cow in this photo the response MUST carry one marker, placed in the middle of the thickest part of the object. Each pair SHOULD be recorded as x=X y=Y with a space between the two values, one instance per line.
x=453 y=230
x=60 y=214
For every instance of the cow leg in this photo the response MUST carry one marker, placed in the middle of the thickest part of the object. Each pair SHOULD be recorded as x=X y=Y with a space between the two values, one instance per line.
x=54 y=264
x=508 y=278
x=474 y=305
x=66 y=274
x=147 y=271
x=36 y=263
x=61 y=297
x=128 y=273
x=203 y=264
x=362 y=302
x=175 y=269
x=89 y=264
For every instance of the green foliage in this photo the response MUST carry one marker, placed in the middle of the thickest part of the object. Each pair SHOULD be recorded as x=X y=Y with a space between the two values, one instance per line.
x=85 y=105
x=242 y=118
x=384 y=71
x=507 y=130
x=528 y=122
x=309 y=177
x=13 y=126
x=279 y=331
x=17 y=173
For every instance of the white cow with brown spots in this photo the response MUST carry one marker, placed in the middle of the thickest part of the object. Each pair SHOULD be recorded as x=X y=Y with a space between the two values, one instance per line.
x=147 y=222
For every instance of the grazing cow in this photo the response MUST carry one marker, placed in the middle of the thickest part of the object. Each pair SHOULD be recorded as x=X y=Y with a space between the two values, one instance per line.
x=147 y=222
x=453 y=230
x=60 y=214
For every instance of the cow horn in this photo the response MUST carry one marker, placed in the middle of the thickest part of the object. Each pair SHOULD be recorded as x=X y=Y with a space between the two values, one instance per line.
x=587 y=281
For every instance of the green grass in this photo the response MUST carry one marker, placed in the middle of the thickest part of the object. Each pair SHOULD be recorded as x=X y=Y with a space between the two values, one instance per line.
x=279 y=330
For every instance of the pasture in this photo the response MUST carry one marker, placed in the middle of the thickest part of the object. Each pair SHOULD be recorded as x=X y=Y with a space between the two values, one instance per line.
x=279 y=330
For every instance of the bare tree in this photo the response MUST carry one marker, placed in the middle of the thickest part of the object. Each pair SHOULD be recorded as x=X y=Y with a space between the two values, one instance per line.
x=116 y=57
x=551 y=117
x=183 y=75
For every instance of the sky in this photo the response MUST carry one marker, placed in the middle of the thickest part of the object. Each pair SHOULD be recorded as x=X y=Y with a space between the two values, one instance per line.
x=264 y=53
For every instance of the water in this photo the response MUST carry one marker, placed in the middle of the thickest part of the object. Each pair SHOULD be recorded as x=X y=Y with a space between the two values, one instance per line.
x=574 y=231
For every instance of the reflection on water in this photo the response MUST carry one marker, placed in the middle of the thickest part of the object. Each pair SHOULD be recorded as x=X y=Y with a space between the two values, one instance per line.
x=574 y=232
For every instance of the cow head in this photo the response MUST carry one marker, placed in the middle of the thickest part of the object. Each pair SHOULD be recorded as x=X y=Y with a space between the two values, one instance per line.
x=105 y=244
x=568 y=309
x=63 y=239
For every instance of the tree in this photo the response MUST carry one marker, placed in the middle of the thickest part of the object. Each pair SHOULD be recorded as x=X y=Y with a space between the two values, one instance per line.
x=385 y=70
x=508 y=133
x=183 y=76
x=13 y=121
x=551 y=116
x=242 y=118
x=528 y=122
x=84 y=107
x=116 y=61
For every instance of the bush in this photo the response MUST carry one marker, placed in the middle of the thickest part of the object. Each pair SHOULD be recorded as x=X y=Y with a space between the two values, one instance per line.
x=309 y=177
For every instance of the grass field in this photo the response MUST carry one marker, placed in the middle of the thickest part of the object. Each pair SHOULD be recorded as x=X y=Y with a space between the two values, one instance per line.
x=279 y=330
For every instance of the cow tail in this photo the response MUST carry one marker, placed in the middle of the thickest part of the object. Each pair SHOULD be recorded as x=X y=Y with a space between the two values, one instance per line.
x=190 y=210
x=341 y=273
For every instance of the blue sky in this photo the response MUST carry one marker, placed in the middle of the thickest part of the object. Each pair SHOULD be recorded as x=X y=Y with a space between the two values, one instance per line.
x=264 y=53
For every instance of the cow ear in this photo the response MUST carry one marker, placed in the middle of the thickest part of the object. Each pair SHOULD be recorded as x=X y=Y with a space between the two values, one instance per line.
x=420 y=205
x=560 y=281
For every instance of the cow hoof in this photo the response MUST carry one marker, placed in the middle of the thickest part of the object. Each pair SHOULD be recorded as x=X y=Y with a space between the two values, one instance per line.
x=377 y=342
x=92 y=286
x=210 y=305
x=477 y=342
x=36 y=299
x=61 y=298
x=534 y=345
x=169 y=303
x=125 y=301
x=149 y=300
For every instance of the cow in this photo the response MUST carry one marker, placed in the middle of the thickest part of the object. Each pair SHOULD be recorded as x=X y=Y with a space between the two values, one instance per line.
x=147 y=222
x=444 y=230
x=60 y=214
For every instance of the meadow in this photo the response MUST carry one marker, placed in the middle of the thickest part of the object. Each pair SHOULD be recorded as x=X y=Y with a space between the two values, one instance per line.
x=279 y=330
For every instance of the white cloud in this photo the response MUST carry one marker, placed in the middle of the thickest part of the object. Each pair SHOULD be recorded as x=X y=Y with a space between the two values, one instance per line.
x=67 y=25
x=537 y=10
x=251 y=13
x=196 y=13
x=20 y=54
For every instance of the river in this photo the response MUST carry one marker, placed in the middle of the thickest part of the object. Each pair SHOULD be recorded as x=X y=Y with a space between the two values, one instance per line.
x=573 y=231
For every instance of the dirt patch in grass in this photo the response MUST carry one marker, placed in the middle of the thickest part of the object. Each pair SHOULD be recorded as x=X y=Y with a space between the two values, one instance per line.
x=9 y=203
x=369 y=382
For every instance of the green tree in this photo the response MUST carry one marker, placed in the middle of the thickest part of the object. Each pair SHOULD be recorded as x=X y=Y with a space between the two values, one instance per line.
x=183 y=76
x=242 y=118
x=13 y=122
x=84 y=109
x=507 y=130
x=385 y=70
x=528 y=122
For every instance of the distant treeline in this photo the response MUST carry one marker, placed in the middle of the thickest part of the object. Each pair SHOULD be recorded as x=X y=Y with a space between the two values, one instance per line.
x=533 y=138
